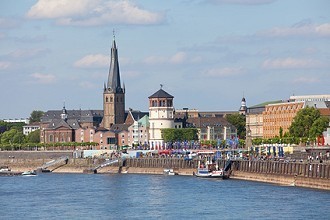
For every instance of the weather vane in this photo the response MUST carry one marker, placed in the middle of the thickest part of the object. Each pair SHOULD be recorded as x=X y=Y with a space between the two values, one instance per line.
x=161 y=86
x=113 y=32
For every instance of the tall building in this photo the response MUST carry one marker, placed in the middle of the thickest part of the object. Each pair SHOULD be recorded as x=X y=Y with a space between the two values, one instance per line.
x=113 y=94
x=161 y=115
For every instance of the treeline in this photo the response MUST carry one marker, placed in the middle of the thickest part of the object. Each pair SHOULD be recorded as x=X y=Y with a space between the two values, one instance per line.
x=47 y=146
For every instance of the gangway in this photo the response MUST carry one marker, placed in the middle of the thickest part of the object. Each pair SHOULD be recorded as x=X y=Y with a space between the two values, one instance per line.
x=106 y=163
x=53 y=162
x=227 y=165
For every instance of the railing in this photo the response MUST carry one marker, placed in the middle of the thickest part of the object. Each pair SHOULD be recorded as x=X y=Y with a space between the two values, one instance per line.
x=310 y=170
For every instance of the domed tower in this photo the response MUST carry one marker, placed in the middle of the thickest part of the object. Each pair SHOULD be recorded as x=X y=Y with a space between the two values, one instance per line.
x=113 y=94
x=243 y=108
x=161 y=115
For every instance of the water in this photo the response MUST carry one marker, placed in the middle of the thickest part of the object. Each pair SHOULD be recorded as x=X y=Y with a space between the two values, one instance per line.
x=130 y=196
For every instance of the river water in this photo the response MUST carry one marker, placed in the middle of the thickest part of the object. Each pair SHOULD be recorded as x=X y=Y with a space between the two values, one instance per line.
x=133 y=196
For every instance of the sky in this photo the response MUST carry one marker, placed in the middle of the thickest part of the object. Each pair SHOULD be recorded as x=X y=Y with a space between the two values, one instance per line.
x=208 y=54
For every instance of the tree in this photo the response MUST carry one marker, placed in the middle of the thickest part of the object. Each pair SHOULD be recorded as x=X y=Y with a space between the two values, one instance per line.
x=238 y=120
x=33 y=137
x=13 y=136
x=180 y=134
x=308 y=123
x=36 y=116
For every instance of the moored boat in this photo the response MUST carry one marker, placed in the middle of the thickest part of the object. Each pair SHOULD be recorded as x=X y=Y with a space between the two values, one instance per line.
x=29 y=173
x=209 y=168
x=169 y=172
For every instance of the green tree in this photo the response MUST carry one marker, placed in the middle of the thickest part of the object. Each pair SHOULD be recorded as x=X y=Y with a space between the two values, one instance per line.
x=318 y=127
x=180 y=134
x=33 y=137
x=36 y=116
x=308 y=123
x=8 y=136
x=239 y=121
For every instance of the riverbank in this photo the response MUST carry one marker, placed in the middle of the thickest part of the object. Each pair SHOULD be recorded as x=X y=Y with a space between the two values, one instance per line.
x=290 y=174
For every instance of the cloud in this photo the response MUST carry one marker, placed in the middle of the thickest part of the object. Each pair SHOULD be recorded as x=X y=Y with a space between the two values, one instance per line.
x=43 y=78
x=93 y=12
x=290 y=63
x=302 y=29
x=178 y=58
x=223 y=72
x=242 y=2
x=306 y=80
x=4 y=65
x=92 y=61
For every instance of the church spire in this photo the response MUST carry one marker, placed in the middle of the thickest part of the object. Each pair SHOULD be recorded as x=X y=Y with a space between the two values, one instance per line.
x=113 y=84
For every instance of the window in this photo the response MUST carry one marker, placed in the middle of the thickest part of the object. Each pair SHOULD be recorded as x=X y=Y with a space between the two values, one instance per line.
x=111 y=140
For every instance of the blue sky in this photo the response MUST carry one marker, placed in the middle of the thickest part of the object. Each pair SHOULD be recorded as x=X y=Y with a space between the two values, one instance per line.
x=206 y=53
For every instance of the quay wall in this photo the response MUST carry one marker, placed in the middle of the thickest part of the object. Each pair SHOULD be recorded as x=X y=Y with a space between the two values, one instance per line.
x=313 y=175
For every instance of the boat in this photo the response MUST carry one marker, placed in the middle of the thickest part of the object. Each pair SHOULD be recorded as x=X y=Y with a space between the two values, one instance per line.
x=208 y=168
x=169 y=172
x=29 y=173
x=4 y=169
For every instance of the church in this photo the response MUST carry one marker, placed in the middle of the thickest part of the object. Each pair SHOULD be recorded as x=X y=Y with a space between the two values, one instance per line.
x=110 y=127
x=114 y=126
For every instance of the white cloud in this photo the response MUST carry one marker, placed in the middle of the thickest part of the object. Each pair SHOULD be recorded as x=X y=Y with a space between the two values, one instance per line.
x=43 y=78
x=290 y=63
x=307 y=80
x=242 y=2
x=223 y=72
x=93 y=60
x=93 y=12
x=306 y=29
x=4 y=65
x=179 y=57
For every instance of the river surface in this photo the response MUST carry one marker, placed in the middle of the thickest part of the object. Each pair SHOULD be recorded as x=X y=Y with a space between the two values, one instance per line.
x=133 y=196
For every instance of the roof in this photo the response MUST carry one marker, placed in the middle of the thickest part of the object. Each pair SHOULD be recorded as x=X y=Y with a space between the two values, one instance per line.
x=161 y=94
x=266 y=103
x=117 y=128
x=209 y=121
x=69 y=124
x=80 y=115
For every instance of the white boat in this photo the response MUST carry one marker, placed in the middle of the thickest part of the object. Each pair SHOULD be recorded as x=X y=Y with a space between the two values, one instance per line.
x=29 y=173
x=5 y=169
x=169 y=172
x=209 y=169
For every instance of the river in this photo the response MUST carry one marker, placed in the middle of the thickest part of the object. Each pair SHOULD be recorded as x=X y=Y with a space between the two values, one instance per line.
x=133 y=196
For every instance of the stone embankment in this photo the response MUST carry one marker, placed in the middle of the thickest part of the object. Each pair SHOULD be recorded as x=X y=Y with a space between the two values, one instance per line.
x=313 y=175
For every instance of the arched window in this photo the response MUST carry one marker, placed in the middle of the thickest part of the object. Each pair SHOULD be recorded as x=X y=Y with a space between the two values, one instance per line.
x=111 y=99
x=106 y=99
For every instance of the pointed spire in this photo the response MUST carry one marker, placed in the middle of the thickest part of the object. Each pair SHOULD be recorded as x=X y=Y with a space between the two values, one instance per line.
x=114 y=75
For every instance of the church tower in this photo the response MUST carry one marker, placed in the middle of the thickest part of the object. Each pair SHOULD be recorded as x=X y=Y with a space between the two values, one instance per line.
x=243 y=108
x=113 y=94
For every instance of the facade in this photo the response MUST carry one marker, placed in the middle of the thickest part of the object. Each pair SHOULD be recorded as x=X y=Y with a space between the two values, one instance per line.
x=27 y=129
x=113 y=94
x=161 y=115
x=278 y=116
x=138 y=132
